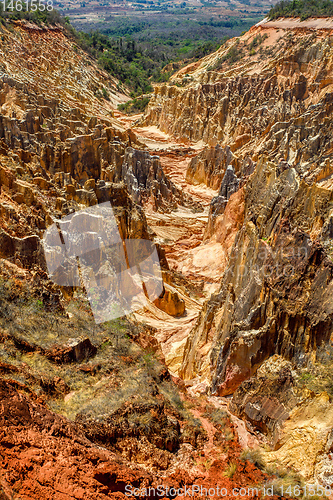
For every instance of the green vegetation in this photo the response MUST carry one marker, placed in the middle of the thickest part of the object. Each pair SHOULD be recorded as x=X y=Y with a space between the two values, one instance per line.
x=122 y=59
x=233 y=55
x=230 y=470
x=137 y=105
x=319 y=376
x=301 y=8
x=139 y=51
x=138 y=64
x=238 y=51
x=135 y=64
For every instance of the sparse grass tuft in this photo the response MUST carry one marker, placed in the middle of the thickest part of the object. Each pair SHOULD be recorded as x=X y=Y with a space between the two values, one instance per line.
x=170 y=392
x=230 y=470
x=217 y=416
x=318 y=377
x=228 y=434
x=254 y=456
x=285 y=478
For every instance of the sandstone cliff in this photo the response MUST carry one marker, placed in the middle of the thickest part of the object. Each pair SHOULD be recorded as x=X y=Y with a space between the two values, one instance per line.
x=268 y=90
x=263 y=106
x=266 y=98
x=61 y=147
x=275 y=295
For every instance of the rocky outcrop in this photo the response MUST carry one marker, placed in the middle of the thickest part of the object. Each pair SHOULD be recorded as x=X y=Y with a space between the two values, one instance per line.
x=306 y=440
x=270 y=229
x=62 y=150
x=266 y=400
x=264 y=113
x=209 y=166
x=229 y=186
x=274 y=101
x=33 y=435
x=55 y=123
x=68 y=134
x=171 y=303
x=145 y=180
x=113 y=429
x=276 y=291
x=28 y=251
x=61 y=463
x=297 y=422
x=78 y=349
x=119 y=406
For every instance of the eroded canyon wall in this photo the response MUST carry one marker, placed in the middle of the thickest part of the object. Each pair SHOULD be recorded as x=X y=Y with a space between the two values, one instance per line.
x=266 y=99
x=276 y=100
x=61 y=147
x=276 y=293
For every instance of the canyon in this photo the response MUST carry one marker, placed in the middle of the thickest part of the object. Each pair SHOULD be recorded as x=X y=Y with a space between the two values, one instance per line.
x=226 y=378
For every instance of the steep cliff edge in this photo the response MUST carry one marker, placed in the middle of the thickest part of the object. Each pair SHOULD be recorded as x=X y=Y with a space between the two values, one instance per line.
x=266 y=97
x=276 y=291
x=262 y=107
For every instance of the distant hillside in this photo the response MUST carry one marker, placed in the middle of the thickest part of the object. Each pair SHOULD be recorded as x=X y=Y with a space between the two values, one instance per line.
x=122 y=59
x=301 y=8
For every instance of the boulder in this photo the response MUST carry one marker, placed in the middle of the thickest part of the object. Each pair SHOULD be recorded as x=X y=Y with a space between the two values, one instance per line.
x=75 y=350
x=171 y=303
x=26 y=251
x=266 y=399
x=42 y=183
x=90 y=184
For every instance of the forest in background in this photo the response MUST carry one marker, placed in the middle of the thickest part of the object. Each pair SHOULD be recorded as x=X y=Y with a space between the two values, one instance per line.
x=301 y=8
x=142 y=51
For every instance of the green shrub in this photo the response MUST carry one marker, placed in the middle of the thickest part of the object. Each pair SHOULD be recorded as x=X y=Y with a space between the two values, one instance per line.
x=137 y=105
x=233 y=55
x=105 y=94
x=301 y=8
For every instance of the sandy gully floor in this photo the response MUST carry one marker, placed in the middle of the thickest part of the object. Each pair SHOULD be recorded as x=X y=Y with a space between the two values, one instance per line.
x=180 y=233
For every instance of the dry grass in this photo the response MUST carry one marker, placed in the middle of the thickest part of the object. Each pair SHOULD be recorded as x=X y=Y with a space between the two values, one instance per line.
x=216 y=415
x=284 y=479
x=120 y=372
x=228 y=434
x=318 y=377
x=230 y=470
x=254 y=456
